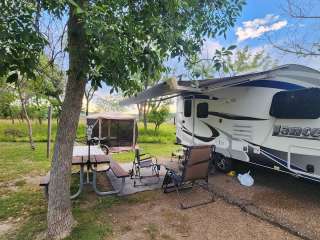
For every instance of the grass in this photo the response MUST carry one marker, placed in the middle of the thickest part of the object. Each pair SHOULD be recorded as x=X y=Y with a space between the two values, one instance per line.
x=93 y=221
x=159 y=150
x=18 y=160
x=152 y=231
x=21 y=201
x=18 y=132
x=166 y=133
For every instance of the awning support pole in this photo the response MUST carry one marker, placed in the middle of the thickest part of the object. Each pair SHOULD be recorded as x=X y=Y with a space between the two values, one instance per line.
x=193 y=117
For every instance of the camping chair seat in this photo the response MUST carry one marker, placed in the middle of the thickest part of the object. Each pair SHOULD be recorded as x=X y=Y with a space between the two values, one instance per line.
x=146 y=163
x=195 y=172
x=142 y=161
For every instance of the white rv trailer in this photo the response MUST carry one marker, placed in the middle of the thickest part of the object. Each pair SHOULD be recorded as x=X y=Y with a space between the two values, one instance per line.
x=270 y=118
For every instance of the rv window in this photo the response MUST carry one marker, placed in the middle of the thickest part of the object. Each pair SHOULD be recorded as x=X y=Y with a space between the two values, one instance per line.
x=202 y=110
x=187 y=108
x=298 y=104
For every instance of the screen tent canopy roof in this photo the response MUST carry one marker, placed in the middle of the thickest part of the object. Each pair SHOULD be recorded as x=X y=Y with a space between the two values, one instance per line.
x=111 y=116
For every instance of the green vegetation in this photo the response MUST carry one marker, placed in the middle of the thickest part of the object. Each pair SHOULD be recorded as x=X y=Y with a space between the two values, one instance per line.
x=21 y=199
x=18 y=132
x=158 y=150
x=165 y=134
x=158 y=115
x=18 y=160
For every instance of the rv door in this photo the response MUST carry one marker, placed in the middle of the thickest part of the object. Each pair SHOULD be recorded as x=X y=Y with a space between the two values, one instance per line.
x=184 y=124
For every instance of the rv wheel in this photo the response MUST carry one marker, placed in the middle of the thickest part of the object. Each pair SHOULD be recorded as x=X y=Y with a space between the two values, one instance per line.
x=223 y=163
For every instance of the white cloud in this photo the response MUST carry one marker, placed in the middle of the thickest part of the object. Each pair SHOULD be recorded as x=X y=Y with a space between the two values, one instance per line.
x=209 y=48
x=258 y=26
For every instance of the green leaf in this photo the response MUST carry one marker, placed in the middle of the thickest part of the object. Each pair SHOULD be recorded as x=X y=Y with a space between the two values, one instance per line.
x=12 y=78
x=232 y=47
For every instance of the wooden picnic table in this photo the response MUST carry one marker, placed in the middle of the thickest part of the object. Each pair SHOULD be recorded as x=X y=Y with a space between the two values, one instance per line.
x=80 y=157
x=97 y=156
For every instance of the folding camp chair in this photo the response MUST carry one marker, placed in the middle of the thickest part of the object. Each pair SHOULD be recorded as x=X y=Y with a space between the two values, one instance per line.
x=144 y=161
x=194 y=172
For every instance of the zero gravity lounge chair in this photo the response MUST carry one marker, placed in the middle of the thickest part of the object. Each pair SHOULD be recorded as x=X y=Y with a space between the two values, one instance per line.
x=194 y=172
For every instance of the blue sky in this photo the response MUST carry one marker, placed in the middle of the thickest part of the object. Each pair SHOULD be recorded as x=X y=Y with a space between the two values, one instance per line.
x=259 y=19
x=262 y=20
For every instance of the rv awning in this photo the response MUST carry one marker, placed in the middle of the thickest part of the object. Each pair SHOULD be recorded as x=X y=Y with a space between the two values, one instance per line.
x=172 y=87
x=168 y=88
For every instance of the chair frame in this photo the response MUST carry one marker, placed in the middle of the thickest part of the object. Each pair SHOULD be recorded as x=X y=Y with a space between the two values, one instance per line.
x=137 y=166
x=175 y=182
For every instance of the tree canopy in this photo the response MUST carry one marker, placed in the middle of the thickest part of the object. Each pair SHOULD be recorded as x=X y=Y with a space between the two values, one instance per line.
x=108 y=41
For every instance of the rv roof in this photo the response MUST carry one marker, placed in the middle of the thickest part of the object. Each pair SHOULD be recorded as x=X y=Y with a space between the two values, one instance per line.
x=111 y=115
x=208 y=85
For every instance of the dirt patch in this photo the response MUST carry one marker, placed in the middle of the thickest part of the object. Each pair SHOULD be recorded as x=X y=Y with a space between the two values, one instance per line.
x=32 y=180
x=281 y=199
x=162 y=219
x=6 y=227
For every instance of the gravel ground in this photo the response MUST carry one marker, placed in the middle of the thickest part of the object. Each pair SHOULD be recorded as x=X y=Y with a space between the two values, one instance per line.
x=278 y=206
x=291 y=202
x=162 y=219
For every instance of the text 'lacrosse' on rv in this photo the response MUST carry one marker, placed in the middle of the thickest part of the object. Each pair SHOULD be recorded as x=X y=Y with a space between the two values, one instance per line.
x=269 y=118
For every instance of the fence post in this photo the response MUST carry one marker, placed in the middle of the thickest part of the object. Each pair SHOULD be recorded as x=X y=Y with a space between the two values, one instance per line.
x=49 y=131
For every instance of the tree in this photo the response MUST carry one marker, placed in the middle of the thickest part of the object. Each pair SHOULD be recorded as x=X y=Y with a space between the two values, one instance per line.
x=299 y=39
x=110 y=103
x=7 y=100
x=88 y=93
x=158 y=116
x=119 y=39
x=245 y=60
x=21 y=86
x=145 y=82
x=33 y=94
x=231 y=62
x=20 y=42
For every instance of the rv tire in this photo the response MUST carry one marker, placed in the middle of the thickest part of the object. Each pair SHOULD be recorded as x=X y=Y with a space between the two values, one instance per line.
x=223 y=163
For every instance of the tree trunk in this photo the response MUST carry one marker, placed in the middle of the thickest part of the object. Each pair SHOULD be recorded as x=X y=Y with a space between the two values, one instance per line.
x=145 y=121
x=21 y=117
x=25 y=113
x=139 y=111
x=60 y=219
x=87 y=107
x=12 y=117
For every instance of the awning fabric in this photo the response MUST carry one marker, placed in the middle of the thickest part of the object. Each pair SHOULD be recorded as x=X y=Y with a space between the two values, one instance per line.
x=162 y=89
x=173 y=87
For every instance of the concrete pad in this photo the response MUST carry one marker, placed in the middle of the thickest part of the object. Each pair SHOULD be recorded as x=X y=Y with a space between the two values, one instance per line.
x=147 y=184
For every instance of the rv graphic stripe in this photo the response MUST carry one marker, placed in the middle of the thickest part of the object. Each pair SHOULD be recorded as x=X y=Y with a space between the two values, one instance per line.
x=214 y=133
x=272 y=84
x=235 y=117
x=278 y=157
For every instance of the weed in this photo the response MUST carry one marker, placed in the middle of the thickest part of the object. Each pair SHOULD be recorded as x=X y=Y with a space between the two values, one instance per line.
x=152 y=231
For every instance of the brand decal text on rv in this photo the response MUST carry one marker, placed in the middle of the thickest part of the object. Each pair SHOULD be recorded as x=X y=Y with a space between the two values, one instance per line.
x=296 y=132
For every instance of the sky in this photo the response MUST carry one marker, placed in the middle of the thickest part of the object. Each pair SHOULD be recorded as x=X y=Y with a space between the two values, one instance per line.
x=260 y=20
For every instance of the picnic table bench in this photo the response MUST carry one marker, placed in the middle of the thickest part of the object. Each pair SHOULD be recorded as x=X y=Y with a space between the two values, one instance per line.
x=83 y=160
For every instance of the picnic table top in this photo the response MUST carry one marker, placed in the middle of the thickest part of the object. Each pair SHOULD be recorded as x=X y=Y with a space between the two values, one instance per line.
x=97 y=156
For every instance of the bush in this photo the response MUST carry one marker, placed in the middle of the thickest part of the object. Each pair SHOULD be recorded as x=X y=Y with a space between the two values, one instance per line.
x=10 y=132
x=158 y=116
